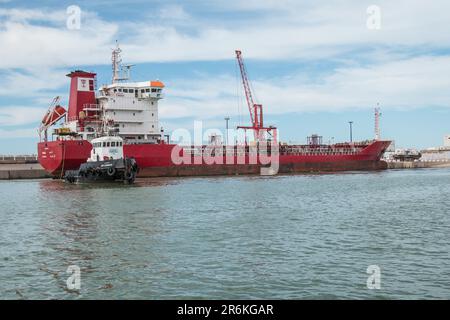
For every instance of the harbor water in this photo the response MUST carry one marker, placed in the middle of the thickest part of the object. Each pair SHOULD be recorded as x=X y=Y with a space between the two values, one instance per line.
x=246 y=237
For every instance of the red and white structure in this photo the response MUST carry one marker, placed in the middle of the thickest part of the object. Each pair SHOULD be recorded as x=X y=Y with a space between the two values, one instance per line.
x=255 y=109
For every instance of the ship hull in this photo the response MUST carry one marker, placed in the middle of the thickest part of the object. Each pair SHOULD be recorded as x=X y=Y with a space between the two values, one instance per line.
x=154 y=160
x=249 y=169
x=56 y=157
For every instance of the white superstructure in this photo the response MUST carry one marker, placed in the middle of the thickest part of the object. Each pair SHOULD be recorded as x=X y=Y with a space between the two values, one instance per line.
x=133 y=108
x=123 y=108
x=106 y=148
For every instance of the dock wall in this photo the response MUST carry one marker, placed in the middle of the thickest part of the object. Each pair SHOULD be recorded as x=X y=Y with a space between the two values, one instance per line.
x=31 y=169
x=418 y=164
x=21 y=169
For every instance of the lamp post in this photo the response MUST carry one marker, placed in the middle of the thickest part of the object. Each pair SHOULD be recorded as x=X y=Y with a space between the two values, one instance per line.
x=351 y=130
x=226 y=132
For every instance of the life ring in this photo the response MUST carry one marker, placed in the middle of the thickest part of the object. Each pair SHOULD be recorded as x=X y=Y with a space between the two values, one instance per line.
x=128 y=175
x=111 y=171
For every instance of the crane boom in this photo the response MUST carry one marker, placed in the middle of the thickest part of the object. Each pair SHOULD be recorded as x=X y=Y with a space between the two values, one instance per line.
x=255 y=110
x=245 y=83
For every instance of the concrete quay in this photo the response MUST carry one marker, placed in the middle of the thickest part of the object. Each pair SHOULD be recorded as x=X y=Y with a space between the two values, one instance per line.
x=21 y=169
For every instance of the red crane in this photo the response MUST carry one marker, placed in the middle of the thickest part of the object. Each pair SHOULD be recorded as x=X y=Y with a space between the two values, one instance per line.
x=256 y=110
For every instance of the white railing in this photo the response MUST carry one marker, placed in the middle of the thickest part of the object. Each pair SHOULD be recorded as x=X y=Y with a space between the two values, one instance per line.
x=418 y=160
x=91 y=107
x=18 y=157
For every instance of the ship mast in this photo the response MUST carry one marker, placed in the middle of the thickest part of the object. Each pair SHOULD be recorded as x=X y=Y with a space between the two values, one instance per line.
x=116 y=61
x=118 y=68
x=377 y=122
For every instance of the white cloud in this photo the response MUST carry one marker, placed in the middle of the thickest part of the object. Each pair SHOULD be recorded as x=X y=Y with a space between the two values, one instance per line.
x=18 y=115
x=276 y=30
x=33 y=83
x=293 y=30
x=27 y=45
x=26 y=15
x=414 y=82
x=37 y=50
x=34 y=53
x=18 y=133
x=173 y=12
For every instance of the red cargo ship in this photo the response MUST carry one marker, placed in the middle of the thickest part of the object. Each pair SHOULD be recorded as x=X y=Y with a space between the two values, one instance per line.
x=130 y=110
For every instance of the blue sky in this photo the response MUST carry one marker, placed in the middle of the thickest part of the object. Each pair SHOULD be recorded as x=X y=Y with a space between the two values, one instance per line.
x=314 y=65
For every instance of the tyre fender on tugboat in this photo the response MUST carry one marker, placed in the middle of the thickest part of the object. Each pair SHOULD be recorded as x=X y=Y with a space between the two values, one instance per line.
x=128 y=175
x=111 y=171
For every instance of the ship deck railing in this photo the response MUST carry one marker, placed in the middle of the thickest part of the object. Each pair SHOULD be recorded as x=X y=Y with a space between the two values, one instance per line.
x=242 y=150
x=91 y=107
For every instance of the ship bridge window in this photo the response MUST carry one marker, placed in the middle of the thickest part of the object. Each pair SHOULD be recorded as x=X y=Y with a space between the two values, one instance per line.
x=113 y=144
x=142 y=90
x=131 y=90
x=147 y=90
x=120 y=89
x=153 y=90
x=104 y=144
x=115 y=90
x=108 y=144
x=125 y=90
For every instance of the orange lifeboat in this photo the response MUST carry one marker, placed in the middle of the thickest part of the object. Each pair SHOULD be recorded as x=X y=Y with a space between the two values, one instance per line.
x=53 y=115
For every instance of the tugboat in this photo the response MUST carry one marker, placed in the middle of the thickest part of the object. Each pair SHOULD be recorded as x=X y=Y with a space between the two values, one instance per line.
x=407 y=155
x=106 y=163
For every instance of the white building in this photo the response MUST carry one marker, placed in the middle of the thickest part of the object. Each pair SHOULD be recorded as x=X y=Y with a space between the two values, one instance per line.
x=447 y=141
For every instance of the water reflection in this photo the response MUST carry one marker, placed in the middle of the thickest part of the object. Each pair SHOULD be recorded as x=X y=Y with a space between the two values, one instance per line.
x=97 y=227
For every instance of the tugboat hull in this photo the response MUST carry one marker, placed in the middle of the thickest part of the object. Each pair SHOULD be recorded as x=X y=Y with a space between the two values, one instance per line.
x=121 y=170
